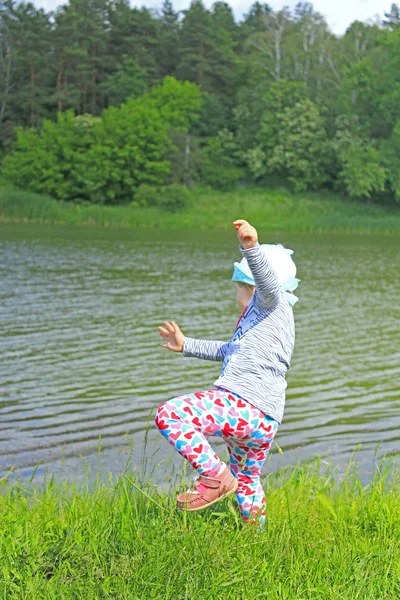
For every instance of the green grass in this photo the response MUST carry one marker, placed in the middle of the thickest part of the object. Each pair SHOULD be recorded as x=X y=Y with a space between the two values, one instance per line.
x=270 y=209
x=323 y=539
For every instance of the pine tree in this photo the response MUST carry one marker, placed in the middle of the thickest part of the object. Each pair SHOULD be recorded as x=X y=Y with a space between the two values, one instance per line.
x=208 y=52
x=169 y=51
x=80 y=41
x=134 y=33
x=28 y=72
x=392 y=18
x=195 y=44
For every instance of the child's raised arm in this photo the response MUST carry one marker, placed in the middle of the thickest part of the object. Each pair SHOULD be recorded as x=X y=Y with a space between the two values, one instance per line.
x=268 y=290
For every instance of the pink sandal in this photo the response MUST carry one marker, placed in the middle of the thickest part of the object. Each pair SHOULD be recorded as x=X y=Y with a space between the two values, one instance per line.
x=208 y=490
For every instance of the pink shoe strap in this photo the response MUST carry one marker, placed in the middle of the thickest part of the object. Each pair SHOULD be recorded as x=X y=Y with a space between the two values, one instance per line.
x=209 y=482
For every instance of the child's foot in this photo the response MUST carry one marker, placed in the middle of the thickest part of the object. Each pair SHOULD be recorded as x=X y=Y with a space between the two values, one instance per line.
x=208 y=490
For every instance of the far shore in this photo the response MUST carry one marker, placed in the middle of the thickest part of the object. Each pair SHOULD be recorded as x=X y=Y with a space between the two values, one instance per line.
x=272 y=210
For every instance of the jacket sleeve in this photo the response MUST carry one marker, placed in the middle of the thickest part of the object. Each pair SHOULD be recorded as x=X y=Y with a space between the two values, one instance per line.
x=268 y=291
x=206 y=349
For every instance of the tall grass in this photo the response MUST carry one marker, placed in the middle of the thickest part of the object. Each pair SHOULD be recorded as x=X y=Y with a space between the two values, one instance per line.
x=208 y=209
x=123 y=539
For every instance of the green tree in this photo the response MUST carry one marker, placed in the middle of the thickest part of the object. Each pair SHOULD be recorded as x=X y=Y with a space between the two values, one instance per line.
x=134 y=33
x=195 y=44
x=254 y=21
x=302 y=154
x=208 y=53
x=129 y=80
x=390 y=160
x=257 y=125
x=392 y=18
x=169 y=50
x=222 y=18
x=265 y=49
x=220 y=167
x=280 y=96
x=214 y=116
x=370 y=87
x=80 y=41
x=6 y=61
x=385 y=102
x=105 y=160
x=361 y=169
x=178 y=102
x=27 y=60
x=130 y=150
x=51 y=160
x=310 y=49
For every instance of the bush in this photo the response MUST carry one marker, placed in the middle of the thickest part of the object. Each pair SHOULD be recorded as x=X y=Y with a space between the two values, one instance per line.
x=222 y=177
x=106 y=160
x=52 y=160
x=146 y=196
x=173 y=197
x=170 y=198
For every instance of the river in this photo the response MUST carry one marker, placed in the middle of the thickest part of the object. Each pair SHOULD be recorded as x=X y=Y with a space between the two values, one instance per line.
x=81 y=367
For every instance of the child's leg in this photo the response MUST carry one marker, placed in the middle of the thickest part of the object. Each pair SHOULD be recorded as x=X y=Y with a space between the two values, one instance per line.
x=246 y=461
x=184 y=422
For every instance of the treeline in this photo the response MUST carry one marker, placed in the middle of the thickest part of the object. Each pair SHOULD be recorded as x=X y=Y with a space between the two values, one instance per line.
x=107 y=103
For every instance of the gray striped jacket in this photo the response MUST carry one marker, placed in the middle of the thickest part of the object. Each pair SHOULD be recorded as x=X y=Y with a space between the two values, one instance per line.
x=258 y=355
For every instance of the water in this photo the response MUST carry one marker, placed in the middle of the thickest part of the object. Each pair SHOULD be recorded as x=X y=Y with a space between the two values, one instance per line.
x=80 y=354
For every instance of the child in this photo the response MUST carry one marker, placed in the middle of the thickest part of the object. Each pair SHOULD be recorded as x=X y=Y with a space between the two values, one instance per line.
x=246 y=405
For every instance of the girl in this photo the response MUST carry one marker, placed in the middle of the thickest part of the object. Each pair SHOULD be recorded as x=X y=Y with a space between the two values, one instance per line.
x=246 y=405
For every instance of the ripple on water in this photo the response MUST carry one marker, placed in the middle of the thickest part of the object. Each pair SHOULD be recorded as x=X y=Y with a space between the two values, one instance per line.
x=81 y=355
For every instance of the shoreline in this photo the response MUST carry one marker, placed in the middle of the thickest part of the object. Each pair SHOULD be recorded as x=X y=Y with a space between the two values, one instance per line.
x=272 y=210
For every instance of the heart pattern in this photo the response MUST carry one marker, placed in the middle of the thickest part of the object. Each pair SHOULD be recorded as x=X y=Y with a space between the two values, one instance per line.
x=187 y=420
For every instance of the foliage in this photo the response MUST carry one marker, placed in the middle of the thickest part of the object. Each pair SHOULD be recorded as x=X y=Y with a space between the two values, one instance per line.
x=128 y=81
x=220 y=169
x=205 y=73
x=129 y=150
x=104 y=160
x=361 y=172
x=170 y=198
x=186 y=158
x=177 y=102
x=54 y=159
x=390 y=154
x=302 y=152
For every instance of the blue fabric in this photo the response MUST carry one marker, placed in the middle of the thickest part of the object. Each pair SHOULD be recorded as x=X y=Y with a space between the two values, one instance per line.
x=240 y=276
x=290 y=284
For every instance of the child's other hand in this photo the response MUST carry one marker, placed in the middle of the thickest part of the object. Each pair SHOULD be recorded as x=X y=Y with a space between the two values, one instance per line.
x=173 y=336
x=247 y=235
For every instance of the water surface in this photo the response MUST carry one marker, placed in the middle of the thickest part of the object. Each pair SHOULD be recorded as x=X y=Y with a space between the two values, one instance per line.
x=80 y=354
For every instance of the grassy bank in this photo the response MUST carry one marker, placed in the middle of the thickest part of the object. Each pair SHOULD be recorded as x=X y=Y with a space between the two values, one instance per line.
x=271 y=210
x=322 y=540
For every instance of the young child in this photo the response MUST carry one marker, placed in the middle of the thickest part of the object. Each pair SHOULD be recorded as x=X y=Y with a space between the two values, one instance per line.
x=246 y=405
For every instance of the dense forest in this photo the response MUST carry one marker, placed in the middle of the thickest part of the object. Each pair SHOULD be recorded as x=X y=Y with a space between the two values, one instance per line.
x=107 y=103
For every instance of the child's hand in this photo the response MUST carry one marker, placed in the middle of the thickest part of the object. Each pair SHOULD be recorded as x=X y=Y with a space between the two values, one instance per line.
x=173 y=336
x=247 y=235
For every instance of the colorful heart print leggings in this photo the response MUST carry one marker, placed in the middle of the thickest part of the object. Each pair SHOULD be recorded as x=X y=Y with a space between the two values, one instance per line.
x=248 y=433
